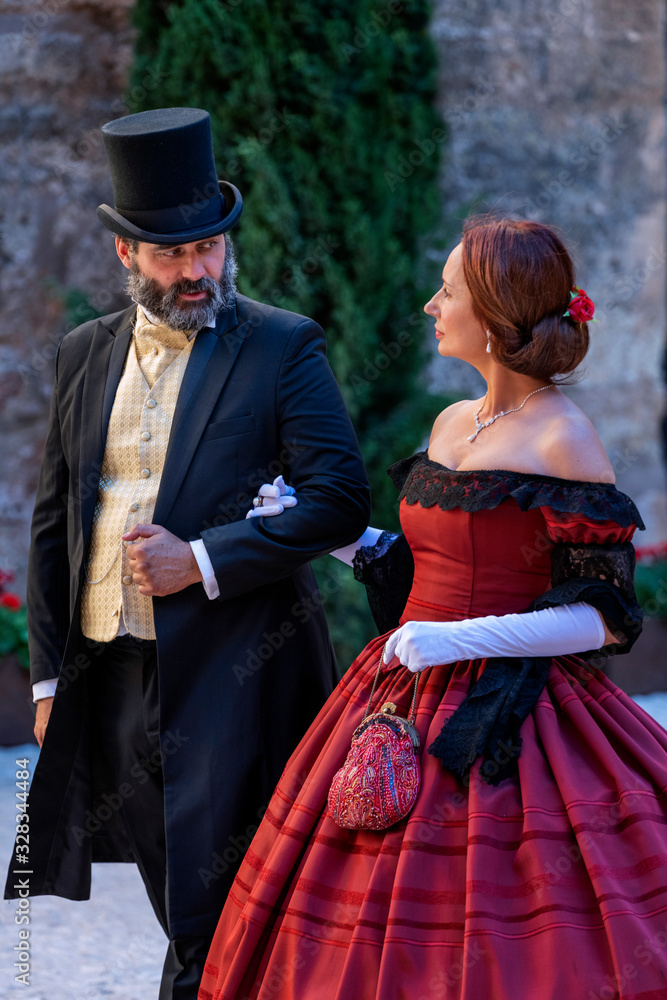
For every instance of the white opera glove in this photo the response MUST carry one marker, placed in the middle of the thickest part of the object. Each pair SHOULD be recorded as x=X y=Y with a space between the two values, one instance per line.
x=570 y=628
x=278 y=495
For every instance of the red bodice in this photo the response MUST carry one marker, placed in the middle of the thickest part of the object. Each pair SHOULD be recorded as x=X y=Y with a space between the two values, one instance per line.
x=467 y=564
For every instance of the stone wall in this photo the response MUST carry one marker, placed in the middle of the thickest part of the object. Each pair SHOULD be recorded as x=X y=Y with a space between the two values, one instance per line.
x=556 y=112
x=63 y=66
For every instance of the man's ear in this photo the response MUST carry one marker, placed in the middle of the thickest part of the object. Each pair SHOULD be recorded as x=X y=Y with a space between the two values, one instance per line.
x=123 y=251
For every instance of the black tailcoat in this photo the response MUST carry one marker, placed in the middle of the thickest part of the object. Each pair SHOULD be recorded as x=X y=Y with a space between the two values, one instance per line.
x=240 y=677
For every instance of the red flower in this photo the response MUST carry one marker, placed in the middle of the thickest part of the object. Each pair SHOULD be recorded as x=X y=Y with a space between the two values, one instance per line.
x=10 y=601
x=581 y=309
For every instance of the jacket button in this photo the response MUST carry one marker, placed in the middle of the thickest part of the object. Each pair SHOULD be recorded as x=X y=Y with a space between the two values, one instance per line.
x=151 y=404
x=127 y=580
x=145 y=473
x=134 y=506
x=146 y=436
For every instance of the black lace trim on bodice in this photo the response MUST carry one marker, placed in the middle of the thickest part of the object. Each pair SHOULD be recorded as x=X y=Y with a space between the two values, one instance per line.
x=423 y=481
x=386 y=569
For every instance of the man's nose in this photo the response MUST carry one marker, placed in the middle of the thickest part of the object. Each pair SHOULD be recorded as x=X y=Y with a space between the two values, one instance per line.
x=192 y=269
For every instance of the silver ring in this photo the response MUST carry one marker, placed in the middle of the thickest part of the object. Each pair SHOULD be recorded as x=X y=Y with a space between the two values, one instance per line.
x=258 y=502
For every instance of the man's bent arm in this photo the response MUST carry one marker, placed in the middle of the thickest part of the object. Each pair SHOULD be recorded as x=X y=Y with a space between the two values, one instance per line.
x=325 y=467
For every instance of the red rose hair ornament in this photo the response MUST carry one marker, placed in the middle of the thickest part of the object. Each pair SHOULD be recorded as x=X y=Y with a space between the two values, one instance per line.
x=581 y=309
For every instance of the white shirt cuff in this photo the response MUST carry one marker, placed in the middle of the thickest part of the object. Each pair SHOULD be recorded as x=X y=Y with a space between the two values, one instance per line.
x=209 y=581
x=44 y=689
x=347 y=553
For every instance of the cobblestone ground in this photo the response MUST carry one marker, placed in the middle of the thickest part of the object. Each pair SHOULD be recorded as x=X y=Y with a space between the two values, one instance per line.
x=110 y=946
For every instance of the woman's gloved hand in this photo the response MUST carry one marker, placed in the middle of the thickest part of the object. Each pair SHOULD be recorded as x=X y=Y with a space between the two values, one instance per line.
x=272 y=498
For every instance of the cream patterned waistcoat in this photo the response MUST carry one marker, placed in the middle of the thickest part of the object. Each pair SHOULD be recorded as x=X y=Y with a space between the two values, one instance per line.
x=134 y=457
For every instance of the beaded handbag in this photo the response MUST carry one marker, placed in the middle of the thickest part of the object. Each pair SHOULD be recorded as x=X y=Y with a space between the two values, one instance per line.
x=378 y=784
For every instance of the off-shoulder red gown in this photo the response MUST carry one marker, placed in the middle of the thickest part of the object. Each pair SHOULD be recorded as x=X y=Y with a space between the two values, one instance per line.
x=552 y=884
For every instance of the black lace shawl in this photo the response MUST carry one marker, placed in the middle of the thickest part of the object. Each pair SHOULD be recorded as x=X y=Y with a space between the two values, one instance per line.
x=488 y=721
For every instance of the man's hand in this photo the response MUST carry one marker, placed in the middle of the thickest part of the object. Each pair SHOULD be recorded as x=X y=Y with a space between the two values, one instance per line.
x=42 y=718
x=159 y=562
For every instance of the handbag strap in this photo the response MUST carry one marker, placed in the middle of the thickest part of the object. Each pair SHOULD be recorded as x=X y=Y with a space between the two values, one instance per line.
x=413 y=706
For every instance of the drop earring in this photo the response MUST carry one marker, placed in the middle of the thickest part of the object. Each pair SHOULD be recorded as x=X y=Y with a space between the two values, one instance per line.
x=488 y=341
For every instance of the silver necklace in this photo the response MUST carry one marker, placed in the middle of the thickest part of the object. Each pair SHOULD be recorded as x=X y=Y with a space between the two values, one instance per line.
x=503 y=413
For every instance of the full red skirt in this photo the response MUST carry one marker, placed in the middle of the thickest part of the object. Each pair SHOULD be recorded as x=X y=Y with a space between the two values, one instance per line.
x=551 y=885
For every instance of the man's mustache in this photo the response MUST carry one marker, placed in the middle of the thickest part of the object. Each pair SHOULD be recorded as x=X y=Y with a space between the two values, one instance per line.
x=187 y=287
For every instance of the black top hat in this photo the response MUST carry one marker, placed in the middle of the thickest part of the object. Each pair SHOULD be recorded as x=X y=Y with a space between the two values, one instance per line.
x=165 y=185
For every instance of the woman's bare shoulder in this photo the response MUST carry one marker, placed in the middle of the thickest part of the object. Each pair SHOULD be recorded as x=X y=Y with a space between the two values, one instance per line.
x=571 y=448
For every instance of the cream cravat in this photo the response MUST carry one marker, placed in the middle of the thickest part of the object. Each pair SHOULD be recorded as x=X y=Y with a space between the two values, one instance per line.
x=157 y=346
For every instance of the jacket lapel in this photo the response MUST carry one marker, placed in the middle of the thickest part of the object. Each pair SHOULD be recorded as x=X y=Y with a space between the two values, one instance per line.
x=212 y=359
x=104 y=367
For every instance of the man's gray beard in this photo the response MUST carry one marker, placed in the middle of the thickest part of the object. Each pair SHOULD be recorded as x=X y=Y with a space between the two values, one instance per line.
x=147 y=292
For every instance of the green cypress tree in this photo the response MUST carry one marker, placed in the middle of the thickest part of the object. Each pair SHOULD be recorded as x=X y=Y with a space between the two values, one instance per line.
x=322 y=115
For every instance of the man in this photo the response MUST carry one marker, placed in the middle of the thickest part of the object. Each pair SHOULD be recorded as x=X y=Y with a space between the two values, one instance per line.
x=188 y=642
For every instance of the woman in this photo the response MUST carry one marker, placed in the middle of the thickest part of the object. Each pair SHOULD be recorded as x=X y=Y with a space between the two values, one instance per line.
x=533 y=861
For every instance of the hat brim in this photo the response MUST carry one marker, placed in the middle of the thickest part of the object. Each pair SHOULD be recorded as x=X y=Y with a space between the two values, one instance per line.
x=121 y=226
